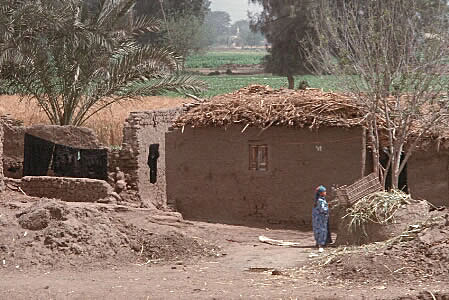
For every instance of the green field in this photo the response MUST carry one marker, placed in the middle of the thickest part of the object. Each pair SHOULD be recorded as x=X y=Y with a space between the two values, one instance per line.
x=228 y=83
x=222 y=84
x=215 y=59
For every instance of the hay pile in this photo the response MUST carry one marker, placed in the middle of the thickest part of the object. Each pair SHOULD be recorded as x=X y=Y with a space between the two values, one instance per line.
x=377 y=208
x=262 y=107
x=379 y=217
x=421 y=252
x=406 y=240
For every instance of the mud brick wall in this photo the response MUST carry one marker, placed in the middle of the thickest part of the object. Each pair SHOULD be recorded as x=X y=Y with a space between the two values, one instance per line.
x=141 y=129
x=428 y=176
x=68 y=189
x=14 y=133
x=72 y=136
x=121 y=165
x=2 y=183
x=208 y=176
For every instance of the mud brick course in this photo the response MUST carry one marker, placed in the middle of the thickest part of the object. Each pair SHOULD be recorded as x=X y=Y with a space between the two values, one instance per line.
x=68 y=189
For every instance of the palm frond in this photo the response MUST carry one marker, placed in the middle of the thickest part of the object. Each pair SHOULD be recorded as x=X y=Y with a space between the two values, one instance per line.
x=156 y=86
x=74 y=59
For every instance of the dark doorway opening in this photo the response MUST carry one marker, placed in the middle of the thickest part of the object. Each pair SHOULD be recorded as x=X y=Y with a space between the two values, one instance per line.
x=153 y=155
x=41 y=156
x=402 y=177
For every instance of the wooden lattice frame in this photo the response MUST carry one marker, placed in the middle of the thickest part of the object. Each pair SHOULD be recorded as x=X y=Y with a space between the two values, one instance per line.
x=348 y=195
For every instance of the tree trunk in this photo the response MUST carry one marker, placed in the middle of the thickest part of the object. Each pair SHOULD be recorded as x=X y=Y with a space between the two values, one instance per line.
x=291 y=82
x=363 y=152
x=374 y=150
x=396 y=163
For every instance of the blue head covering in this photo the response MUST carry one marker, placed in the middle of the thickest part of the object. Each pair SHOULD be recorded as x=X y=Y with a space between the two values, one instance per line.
x=318 y=191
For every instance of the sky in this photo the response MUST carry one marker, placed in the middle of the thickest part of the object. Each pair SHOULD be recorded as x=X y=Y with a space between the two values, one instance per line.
x=237 y=9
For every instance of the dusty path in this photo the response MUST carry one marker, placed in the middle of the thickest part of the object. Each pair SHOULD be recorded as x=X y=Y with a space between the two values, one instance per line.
x=243 y=271
x=242 y=268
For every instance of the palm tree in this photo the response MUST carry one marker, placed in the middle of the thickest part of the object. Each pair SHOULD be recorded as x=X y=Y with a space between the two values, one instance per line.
x=77 y=57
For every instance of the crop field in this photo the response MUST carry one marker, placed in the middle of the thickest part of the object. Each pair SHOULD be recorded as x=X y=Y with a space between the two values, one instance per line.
x=215 y=59
x=222 y=84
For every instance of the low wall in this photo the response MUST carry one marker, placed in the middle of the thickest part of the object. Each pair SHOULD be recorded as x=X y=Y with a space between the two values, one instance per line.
x=68 y=189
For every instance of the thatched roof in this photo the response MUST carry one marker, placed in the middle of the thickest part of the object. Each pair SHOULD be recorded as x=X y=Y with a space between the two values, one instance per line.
x=262 y=106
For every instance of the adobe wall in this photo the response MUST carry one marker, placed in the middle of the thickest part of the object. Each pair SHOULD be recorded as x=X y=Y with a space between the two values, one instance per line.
x=14 y=134
x=72 y=136
x=2 y=183
x=428 y=176
x=128 y=171
x=208 y=176
x=68 y=189
x=140 y=130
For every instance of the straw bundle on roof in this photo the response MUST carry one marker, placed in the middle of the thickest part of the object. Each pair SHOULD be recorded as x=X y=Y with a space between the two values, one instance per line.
x=261 y=106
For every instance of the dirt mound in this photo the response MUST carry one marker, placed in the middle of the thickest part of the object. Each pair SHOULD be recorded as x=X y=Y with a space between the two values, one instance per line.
x=41 y=214
x=52 y=233
x=425 y=257
x=426 y=296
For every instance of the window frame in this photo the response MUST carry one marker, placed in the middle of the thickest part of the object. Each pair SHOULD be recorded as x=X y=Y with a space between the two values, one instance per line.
x=258 y=159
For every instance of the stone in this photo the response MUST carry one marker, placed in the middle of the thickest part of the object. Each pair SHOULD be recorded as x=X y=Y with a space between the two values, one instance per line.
x=120 y=186
x=119 y=176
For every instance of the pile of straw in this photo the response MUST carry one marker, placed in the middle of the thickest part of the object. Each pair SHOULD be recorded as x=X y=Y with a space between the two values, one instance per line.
x=378 y=208
x=409 y=234
x=262 y=107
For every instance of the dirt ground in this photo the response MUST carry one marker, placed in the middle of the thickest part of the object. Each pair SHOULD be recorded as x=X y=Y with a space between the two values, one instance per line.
x=55 y=250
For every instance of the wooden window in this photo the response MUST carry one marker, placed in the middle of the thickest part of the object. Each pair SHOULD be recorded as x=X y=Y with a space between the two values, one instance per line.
x=258 y=157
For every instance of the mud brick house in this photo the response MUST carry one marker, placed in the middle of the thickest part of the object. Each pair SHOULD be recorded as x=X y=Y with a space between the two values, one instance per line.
x=256 y=156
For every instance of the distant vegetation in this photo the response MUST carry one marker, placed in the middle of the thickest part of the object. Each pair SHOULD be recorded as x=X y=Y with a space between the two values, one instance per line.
x=225 y=84
x=215 y=59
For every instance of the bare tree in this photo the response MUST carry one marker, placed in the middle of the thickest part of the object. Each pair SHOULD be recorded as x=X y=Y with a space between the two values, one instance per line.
x=395 y=61
x=75 y=58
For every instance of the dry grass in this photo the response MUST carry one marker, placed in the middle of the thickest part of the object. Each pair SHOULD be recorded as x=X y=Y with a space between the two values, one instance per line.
x=377 y=208
x=107 y=124
x=261 y=106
